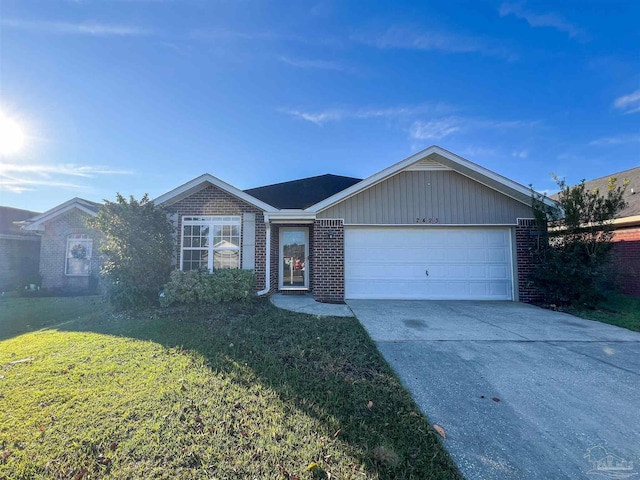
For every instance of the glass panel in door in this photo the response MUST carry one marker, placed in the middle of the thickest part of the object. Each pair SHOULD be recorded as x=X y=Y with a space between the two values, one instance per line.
x=294 y=258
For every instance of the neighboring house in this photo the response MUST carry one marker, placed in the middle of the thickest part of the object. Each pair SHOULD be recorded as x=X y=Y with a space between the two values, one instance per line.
x=626 y=247
x=69 y=250
x=19 y=250
x=433 y=226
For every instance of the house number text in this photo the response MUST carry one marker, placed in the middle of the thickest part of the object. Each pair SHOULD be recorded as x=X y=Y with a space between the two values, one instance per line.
x=427 y=220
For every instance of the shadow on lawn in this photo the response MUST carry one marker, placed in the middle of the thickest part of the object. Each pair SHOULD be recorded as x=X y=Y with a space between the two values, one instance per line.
x=327 y=367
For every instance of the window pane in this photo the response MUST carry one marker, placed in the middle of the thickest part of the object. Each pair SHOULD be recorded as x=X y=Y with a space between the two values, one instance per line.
x=78 y=255
x=226 y=259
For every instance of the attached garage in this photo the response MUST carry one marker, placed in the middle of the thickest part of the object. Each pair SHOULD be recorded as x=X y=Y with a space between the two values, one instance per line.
x=432 y=263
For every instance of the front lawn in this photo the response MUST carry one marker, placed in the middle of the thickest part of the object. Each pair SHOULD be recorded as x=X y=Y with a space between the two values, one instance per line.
x=227 y=393
x=619 y=310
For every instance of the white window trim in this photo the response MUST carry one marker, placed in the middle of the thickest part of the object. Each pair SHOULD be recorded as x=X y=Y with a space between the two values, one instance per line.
x=211 y=221
x=73 y=239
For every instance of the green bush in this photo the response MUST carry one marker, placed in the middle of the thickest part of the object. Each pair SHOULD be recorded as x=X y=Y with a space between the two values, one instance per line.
x=138 y=250
x=571 y=265
x=202 y=287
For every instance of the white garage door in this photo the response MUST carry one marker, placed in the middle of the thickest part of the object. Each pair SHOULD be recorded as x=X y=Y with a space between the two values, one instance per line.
x=428 y=263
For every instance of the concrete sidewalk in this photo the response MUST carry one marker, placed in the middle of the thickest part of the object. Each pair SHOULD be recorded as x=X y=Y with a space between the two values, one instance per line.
x=306 y=304
x=522 y=392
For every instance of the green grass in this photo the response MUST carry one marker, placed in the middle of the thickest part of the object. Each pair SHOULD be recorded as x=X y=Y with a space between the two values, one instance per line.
x=238 y=393
x=619 y=310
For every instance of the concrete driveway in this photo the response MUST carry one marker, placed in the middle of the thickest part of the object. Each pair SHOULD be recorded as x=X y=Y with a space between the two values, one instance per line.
x=522 y=392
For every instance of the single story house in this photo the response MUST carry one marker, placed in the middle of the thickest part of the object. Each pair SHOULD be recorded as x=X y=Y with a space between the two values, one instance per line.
x=69 y=250
x=19 y=250
x=626 y=238
x=432 y=226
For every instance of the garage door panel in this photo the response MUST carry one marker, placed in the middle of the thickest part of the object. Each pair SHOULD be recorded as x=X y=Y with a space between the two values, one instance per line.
x=463 y=263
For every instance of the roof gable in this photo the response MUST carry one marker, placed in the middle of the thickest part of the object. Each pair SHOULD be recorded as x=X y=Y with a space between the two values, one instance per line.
x=436 y=158
x=302 y=193
x=204 y=181
x=86 y=206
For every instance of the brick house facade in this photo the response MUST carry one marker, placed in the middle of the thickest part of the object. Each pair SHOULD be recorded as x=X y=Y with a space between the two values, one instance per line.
x=625 y=254
x=212 y=201
x=433 y=197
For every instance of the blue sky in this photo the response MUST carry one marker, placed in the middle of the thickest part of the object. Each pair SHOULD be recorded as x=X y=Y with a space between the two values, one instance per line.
x=136 y=96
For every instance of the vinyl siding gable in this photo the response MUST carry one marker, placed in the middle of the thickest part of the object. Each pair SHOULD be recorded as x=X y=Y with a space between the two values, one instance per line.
x=434 y=196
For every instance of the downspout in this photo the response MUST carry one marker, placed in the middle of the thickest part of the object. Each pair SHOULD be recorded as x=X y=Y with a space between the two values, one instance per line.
x=267 y=268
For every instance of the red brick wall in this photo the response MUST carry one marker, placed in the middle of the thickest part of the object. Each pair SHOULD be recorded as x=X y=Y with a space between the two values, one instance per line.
x=212 y=201
x=328 y=261
x=526 y=244
x=626 y=259
x=53 y=249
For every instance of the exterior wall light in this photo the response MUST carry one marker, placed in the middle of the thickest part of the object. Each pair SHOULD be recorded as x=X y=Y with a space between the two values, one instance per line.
x=331 y=234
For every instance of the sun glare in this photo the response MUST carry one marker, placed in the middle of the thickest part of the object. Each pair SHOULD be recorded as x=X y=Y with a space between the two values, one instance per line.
x=12 y=137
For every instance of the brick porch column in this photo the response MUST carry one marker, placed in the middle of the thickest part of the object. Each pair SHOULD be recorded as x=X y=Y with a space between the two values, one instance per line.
x=527 y=239
x=328 y=261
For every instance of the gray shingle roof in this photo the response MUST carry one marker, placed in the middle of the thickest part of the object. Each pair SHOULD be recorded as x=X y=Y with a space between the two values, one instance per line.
x=632 y=194
x=302 y=193
x=8 y=215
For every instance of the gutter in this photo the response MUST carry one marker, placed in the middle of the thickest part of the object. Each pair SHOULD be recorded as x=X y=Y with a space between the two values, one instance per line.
x=267 y=269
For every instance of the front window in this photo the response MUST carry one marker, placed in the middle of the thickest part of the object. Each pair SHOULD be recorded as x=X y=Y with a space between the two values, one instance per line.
x=78 y=257
x=210 y=242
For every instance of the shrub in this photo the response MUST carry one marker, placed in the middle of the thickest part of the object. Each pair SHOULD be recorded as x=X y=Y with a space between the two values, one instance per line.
x=138 y=250
x=202 y=287
x=571 y=267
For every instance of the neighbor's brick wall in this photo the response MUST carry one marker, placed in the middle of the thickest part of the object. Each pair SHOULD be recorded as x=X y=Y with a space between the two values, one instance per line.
x=328 y=261
x=626 y=259
x=526 y=244
x=211 y=201
x=19 y=259
x=53 y=248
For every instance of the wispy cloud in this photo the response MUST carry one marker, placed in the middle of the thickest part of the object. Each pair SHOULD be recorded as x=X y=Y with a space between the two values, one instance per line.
x=61 y=169
x=550 y=20
x=616 y=140
x=96 y=29
x=628 y=103
x=520 y=154
x=332 y=115
x=19 y=178
x=399 y=37
x=434 y=129
x=442 y=127
x=312 y=64
x=21 y=185
x=479 y=152
x=223 y=35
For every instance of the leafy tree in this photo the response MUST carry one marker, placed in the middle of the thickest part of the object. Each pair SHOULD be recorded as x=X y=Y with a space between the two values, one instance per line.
x=138 y=250
x=571 y=267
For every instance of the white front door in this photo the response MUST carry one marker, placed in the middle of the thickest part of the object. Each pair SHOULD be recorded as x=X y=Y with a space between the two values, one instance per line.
x=294 y=255
x=435 y=263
